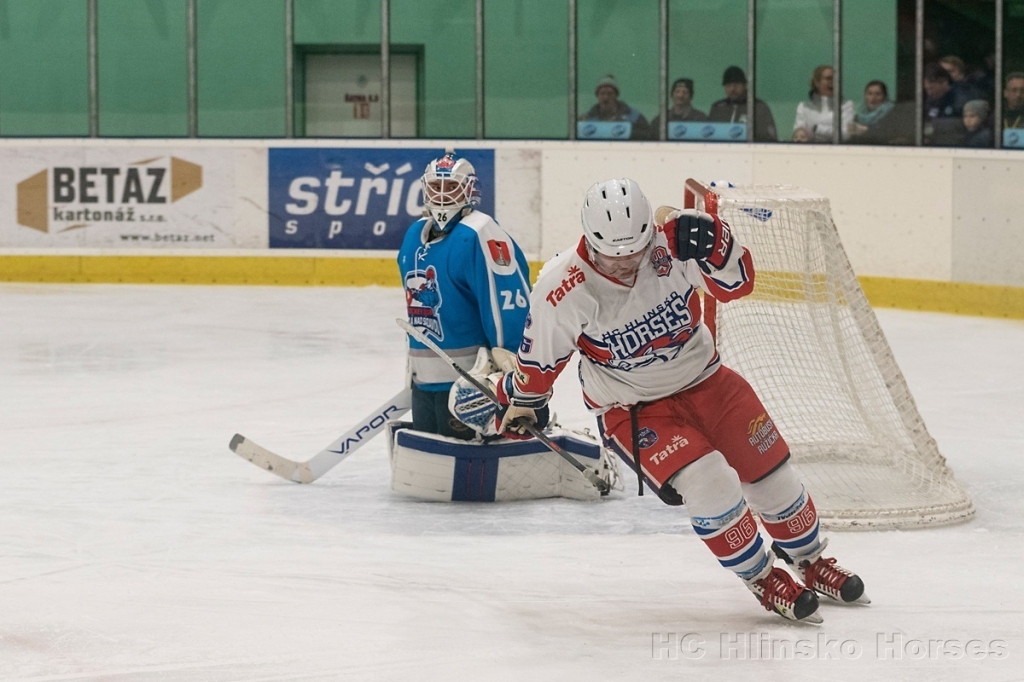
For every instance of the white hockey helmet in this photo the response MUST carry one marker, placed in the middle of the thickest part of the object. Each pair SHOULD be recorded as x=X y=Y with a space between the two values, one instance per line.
x=617 y=218
x=449 y=186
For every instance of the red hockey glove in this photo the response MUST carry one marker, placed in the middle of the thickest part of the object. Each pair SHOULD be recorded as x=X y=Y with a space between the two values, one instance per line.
x=514 y=410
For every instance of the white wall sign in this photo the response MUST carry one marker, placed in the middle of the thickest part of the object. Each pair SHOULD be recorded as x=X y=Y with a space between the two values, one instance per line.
x=117 y=197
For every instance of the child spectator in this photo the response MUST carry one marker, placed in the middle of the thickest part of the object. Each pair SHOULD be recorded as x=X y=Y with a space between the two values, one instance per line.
x=977 y=124
x=801 y=135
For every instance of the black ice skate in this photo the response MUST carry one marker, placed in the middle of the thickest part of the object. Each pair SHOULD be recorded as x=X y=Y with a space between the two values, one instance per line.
x=779 y=592
x=827 y=577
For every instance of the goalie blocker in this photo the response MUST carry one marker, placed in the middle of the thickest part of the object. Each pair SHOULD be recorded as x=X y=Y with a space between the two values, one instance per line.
x=432 y=467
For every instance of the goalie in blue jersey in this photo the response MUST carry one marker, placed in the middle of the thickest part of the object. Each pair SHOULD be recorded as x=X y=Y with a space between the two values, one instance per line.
x=467 y=288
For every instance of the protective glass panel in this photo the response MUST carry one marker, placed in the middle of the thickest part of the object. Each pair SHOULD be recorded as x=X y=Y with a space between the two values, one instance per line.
x=241 y=64
x=443 y=33
x=526 y=69
x=794 y=75
x=1013 y=74
x=707 y=63
x=618 y=63
x=44 y=68
x=878 y=71
x=338 y=69
x=143 y=68
x=959 y=73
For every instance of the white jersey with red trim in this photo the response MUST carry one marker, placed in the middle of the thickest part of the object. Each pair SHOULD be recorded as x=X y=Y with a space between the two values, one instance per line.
x=637 y=343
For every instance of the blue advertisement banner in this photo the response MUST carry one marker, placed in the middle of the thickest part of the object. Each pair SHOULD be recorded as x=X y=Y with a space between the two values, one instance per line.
x=708 y=132
x=355 y=198
x=1013 y=138
x=604 y=130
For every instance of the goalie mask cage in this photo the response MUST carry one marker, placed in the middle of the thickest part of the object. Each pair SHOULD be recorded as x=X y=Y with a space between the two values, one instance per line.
x=811 y=346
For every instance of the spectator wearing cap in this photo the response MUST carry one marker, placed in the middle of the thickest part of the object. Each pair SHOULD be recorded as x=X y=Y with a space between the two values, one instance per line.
x=681 y=109
x=1013 y=94
x=977 y=124
x=815 y=113
x=610 y=108
x=733 y=109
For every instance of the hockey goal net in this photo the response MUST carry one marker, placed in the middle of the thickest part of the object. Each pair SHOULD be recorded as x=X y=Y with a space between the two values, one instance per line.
x=811 y=346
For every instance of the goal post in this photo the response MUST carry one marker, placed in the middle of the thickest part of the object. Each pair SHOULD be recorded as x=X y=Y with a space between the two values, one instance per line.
x=809 y=343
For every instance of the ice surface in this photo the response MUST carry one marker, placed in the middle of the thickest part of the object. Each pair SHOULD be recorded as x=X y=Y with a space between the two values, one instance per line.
x=135 y=546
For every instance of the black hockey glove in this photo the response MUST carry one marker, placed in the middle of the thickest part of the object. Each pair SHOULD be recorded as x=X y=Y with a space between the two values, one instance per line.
x=695 y=235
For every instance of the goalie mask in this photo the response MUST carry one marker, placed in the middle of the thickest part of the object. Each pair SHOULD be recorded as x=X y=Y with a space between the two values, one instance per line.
x=449 y=187
x=618 y=224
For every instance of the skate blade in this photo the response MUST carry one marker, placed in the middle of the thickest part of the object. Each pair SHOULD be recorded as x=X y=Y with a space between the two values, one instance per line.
x=811 y=619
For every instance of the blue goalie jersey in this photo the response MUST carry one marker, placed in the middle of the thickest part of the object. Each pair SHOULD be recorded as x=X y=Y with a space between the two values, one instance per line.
x=467 y=289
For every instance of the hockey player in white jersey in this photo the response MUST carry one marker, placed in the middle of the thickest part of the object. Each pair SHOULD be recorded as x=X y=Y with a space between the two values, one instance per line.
x=626 y=299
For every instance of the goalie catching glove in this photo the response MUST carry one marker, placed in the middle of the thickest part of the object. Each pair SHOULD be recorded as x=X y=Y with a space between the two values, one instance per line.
x=477 y=411
x=468 y=403
x=696 y=235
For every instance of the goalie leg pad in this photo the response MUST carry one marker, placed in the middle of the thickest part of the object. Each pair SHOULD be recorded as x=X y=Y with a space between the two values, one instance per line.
x=431 y=467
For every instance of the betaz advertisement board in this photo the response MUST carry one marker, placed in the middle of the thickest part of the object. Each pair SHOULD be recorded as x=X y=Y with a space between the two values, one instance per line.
x=116 y=196
x=355 y=198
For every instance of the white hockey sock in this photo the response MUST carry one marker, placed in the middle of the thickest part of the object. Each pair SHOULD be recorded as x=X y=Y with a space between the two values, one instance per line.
x=787 y=512
x=720 y=516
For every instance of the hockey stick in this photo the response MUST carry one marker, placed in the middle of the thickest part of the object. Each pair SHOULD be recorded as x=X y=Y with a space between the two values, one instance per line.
x=598 y=483
x=329 y=457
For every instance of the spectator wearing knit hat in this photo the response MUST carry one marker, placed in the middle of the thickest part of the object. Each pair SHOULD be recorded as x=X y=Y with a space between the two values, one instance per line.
x=978 y=124
x=610 y=108
x=733 y=109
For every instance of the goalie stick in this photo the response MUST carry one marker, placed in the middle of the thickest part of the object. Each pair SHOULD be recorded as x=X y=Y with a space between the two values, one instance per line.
x=329 y=457
x=597 y=482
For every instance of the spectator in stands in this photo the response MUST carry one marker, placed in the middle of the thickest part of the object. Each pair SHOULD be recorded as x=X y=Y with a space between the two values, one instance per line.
x=977 y=124
x=1013 y=93
x=733 y=109
x=681 y=109
x=815 y=113
x=801 y=135
x=963 y=89
x=943 y=117
x=984 y=77
x=871 y=111
x=610 y=108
